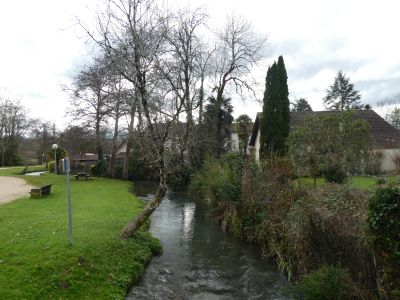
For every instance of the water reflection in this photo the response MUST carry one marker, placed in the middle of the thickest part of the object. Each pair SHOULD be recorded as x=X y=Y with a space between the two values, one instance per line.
x=188 y=214
x=199 y=261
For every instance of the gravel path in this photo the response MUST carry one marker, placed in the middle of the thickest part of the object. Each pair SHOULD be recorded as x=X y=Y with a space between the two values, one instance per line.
x=12 y=189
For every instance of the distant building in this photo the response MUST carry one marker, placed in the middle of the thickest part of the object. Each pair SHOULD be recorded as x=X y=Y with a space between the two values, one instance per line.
x=385 y=138
x=83 y=159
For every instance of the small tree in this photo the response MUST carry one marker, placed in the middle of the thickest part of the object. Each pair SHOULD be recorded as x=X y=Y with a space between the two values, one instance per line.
x=330 y=145
x=243 y=122
x=301 y=104
x=60 y=152
x=342 y=95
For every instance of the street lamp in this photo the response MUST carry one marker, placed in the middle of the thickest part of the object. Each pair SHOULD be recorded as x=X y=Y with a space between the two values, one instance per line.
x=55 y=147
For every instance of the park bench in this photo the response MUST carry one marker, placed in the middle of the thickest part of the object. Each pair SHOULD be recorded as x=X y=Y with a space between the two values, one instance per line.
x=82 y=175
x=39 y=192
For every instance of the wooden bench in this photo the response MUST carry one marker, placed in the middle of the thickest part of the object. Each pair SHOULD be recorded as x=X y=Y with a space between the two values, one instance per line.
x=82 y=175
x=39 y=192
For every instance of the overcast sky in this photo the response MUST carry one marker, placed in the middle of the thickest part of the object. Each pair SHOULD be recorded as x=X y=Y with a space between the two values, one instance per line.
x=41 y=49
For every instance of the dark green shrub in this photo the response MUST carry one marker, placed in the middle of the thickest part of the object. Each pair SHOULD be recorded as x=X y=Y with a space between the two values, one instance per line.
x=384 y=230
x=335 y=174
x=326 y=283
x=93 y=170
x=50 y=166
x=139 y=168
x=380 y=180
x=82 y=166
x=220 y=178
x=118 y=172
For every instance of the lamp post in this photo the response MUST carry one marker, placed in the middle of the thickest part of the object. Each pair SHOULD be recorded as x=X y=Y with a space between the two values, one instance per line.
x=55 y=147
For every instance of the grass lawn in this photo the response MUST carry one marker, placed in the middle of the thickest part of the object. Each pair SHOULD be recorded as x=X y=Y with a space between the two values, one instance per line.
x=36 y=261
x=360 y=182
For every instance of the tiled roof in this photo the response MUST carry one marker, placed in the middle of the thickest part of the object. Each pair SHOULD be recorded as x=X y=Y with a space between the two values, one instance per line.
x=384 y=135
x=86 y=156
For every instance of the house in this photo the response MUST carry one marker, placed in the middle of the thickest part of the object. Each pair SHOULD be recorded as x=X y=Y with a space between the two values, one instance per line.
x=385 y=138
x=79 y=160
x=232 y=142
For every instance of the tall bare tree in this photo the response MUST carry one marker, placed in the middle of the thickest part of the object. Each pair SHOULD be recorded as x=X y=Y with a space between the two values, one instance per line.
x=90 y=97
x=13 y=124
x=238 y=49
x=134 y=35
x=181 y=69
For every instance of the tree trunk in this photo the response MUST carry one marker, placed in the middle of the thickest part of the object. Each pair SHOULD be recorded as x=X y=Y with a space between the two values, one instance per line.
x=135 y=224
x=111 y=168
x=129 y=143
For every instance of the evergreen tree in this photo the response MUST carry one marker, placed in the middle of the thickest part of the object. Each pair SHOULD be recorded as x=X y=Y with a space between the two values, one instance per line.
x=216 y=127
x=284 y=102
x=243 y=123
x=342 y=95
x=301 y=104
x=275 y=120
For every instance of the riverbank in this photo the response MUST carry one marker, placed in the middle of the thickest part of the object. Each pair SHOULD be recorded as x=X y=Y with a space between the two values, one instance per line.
x=36 y=261
x=303 y=229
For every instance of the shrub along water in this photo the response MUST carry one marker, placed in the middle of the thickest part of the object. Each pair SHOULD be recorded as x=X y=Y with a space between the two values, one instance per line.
x=384 y=231
x=303 y=229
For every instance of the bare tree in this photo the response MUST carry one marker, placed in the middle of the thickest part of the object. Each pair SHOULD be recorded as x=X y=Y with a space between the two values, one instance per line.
x=41 y=136
x=90 y=96
x=238 y=49
x=13 y=124
x=181 y=69
x=134 y=34
x=118 y=107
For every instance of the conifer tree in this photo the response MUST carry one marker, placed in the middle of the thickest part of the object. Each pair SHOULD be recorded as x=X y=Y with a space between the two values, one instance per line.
x=284 y=102
x=342 y=95
x=275 y=119
x=301 y=104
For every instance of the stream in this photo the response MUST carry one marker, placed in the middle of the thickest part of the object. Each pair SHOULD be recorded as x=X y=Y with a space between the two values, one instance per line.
x=200 y=261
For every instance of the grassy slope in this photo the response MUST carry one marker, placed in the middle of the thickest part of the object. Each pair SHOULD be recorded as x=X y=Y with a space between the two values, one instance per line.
x=36 y=260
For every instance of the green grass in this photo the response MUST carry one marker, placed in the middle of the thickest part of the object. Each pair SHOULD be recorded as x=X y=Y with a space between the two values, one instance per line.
x=360 y=182
x=36 y=261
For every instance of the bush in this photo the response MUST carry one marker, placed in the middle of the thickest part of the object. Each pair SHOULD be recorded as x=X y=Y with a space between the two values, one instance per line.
x=380 y=180
x=93 y=170
x=118 y=171
x=373 y=165
x=50 y=166
x=335 y=174
x=326 y=283
x=219 y=179
x=384 y=230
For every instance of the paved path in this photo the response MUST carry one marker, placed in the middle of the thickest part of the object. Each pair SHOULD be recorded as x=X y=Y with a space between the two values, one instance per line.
x=12 y=189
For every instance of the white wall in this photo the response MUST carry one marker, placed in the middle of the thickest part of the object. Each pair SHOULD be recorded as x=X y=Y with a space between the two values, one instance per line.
x=388 y=164
x=257 y=146
x=234 y=142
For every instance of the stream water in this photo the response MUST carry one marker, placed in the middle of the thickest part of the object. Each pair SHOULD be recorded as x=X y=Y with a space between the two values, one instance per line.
x=199 y=261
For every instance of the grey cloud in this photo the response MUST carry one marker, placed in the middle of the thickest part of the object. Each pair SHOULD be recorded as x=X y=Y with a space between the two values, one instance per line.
x=375 y=90
x=308 y=66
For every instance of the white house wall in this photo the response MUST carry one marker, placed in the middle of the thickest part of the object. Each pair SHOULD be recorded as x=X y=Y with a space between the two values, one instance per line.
x=257 y=147
x=388 y=164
